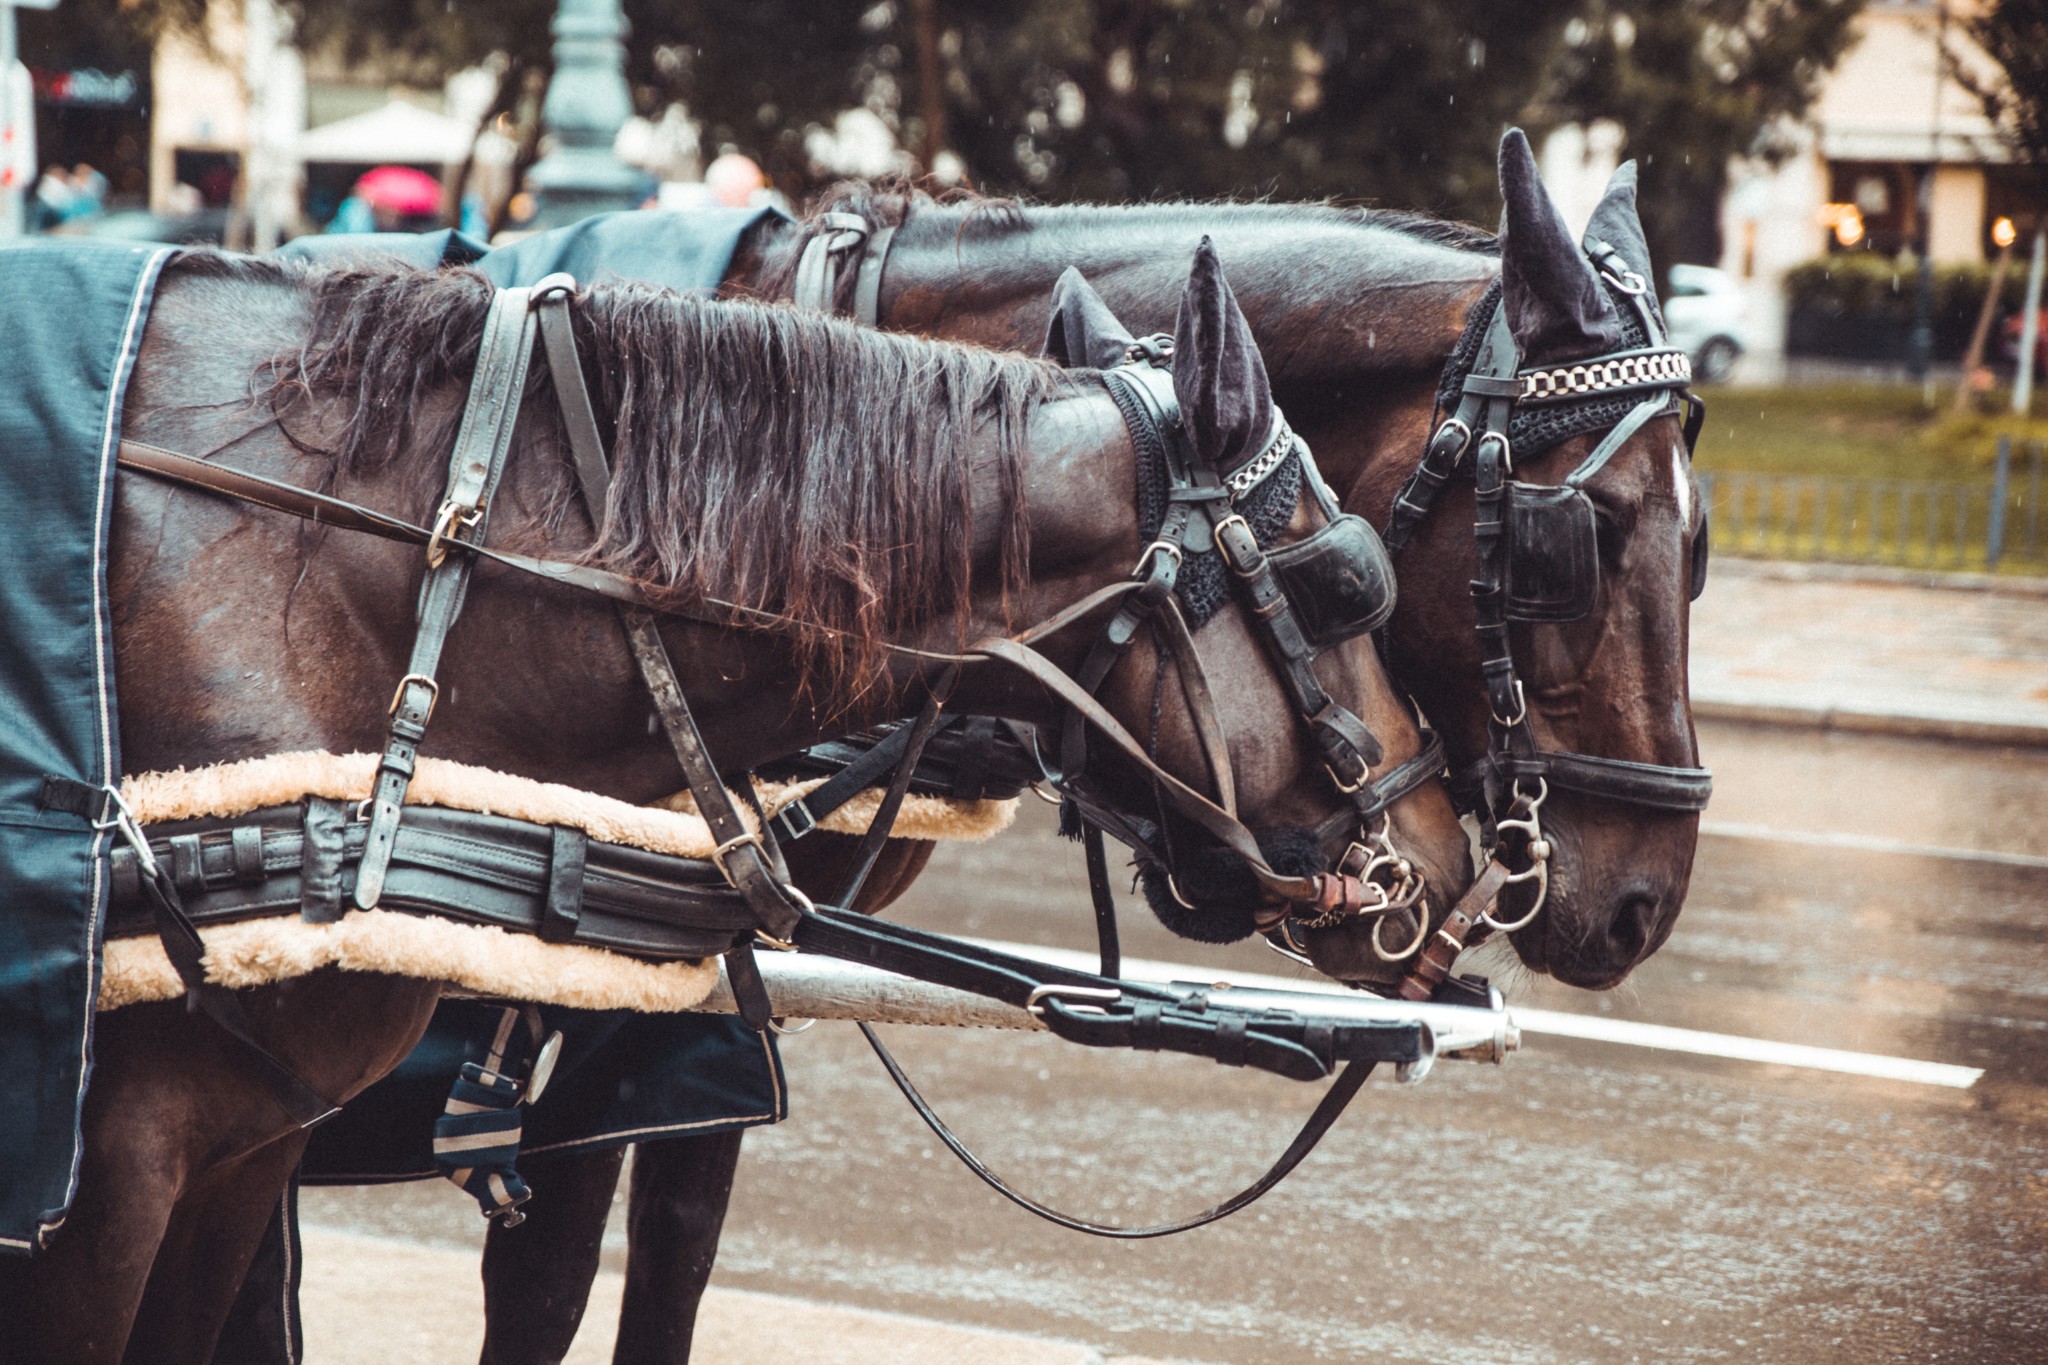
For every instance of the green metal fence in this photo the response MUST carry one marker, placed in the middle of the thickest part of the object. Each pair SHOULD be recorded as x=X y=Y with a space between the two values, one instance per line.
x=1990 y=525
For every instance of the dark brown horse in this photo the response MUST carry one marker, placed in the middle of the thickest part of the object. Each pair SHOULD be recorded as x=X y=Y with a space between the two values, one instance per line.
x=1356 y=313
x=865 y=486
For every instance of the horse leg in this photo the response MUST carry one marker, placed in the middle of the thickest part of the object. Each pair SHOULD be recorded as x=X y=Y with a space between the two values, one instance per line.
x=206 y=1250
x=681 y=1187
x=537 y=1275
x=172 y=1100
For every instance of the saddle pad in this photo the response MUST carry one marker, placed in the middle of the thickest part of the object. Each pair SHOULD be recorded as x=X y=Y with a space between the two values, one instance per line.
x=75 y=313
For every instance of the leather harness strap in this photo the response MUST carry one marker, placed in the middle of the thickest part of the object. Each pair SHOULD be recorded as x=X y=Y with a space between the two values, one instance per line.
x=740 y=855
x=474 y=469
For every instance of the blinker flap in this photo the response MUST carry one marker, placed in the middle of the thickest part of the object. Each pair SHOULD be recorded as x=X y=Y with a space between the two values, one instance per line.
x=1553 y=551
x=1339 y=581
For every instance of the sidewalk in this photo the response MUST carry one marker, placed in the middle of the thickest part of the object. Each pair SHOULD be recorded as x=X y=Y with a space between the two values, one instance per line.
x=1941 y=656
x=353 y=1280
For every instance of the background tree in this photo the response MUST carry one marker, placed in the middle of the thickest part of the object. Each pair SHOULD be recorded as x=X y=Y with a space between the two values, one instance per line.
x=2014 y=34
x=1694 y=83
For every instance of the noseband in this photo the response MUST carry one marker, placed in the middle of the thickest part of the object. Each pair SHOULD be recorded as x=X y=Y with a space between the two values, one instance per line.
x=1539 y=560
x=1334 y=585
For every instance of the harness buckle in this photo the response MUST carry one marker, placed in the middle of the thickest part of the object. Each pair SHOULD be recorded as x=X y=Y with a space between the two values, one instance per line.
x=452 y=518
x=1093 y=998
x=1453 y=453
x=1157 y=547
x=398 y=694
x=1351 y=788
x=1521 y=712
x=794 y=820
x=1236 y=523
x=718 y=855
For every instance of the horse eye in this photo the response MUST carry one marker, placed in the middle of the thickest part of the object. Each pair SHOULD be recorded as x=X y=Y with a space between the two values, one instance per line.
x=1610 y=529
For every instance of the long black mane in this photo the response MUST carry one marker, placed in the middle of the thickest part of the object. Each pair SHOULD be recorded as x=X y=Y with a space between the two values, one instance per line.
x=779 y=460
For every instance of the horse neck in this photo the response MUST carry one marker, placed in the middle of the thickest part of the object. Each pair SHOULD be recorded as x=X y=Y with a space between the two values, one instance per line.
x=1354 y=318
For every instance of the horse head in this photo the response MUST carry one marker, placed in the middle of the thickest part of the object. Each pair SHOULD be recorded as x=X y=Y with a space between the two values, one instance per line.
x=1306 y=784
x=1582 y=744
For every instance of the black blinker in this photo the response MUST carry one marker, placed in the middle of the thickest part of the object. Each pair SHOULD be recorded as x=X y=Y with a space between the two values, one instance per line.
x=1339 y=580
x=1700 y=539
x=1553 y=553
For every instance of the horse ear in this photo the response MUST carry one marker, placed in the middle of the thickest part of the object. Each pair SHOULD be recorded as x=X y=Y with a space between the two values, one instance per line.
x=1557 y=307
x=1226 y=401
x=1617 y=223
x=1082 y=331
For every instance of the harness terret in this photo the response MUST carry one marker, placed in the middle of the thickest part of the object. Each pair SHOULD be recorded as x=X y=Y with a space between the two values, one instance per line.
x=1539 y=562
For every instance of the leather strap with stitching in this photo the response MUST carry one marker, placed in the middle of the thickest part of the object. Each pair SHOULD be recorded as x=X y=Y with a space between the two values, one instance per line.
x=474 y=468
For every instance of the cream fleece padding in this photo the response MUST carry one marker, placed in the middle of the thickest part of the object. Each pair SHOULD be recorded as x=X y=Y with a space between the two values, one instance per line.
x=476 y=957
x=670 y=826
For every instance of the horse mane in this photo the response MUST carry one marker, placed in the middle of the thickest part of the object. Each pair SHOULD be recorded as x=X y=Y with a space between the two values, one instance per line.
x=781 y=461
x=924 y=217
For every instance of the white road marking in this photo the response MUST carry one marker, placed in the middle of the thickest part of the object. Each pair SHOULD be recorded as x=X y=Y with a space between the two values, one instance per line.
x=1596 y=1028
x=1868 y=843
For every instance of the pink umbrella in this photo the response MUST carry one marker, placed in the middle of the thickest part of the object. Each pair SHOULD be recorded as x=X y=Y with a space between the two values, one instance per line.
x=401 y=190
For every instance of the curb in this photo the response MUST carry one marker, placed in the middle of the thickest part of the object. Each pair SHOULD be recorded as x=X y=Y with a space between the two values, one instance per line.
x=1793 y=716
x=1799 y=571
x=369 y=1300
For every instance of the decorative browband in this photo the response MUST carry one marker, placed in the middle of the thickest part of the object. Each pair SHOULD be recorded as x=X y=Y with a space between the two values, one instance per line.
x=1252 y=472
x=1661 y=368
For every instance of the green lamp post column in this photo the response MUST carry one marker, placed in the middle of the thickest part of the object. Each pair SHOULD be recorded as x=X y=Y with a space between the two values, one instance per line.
x=586 y=106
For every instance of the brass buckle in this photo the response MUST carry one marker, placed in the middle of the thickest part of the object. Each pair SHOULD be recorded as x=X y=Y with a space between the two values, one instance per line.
x=1157 y=547
x=1223 y=548
x=718 y=854
x=433 y=695
x=451 y=518
x=1364 y=779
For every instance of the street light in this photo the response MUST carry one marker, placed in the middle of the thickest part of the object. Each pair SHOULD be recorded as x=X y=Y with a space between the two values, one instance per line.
x=587 y=104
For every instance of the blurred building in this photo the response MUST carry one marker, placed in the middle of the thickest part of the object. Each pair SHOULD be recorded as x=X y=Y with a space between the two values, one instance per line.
x=227 y=114
x=1891 y=119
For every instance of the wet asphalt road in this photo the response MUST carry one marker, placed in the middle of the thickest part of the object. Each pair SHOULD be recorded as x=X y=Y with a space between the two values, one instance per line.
x=1586 y=1202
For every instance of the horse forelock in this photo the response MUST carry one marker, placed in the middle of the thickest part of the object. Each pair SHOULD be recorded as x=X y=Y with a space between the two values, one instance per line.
x=780 y=461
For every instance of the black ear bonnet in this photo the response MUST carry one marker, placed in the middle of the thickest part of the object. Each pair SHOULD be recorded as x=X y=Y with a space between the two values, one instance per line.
x=1535 y=428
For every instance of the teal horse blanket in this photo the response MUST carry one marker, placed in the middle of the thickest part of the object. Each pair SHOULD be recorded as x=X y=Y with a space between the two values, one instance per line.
x=73 y=317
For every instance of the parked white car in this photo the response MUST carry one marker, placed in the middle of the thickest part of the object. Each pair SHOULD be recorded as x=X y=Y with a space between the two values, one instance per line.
x=1704 y=314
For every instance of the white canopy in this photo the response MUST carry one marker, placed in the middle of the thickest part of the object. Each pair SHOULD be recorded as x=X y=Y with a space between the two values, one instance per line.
x=399 y=133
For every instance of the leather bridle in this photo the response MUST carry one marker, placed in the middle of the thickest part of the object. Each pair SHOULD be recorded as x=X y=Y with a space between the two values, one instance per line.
x=1201 y=516
x=1506 y=787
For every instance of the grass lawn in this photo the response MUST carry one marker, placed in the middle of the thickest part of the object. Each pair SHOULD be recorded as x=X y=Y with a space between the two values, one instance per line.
x=1853 y=430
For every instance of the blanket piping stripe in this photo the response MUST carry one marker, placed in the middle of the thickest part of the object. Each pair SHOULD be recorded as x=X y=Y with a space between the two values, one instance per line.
x=117 y=392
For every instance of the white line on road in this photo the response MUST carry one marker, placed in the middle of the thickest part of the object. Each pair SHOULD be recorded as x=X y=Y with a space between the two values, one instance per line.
x=1867 y=843
x=1626 y=1032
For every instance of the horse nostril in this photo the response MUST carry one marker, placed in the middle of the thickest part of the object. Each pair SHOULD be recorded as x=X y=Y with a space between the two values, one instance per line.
x=1632 y=927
